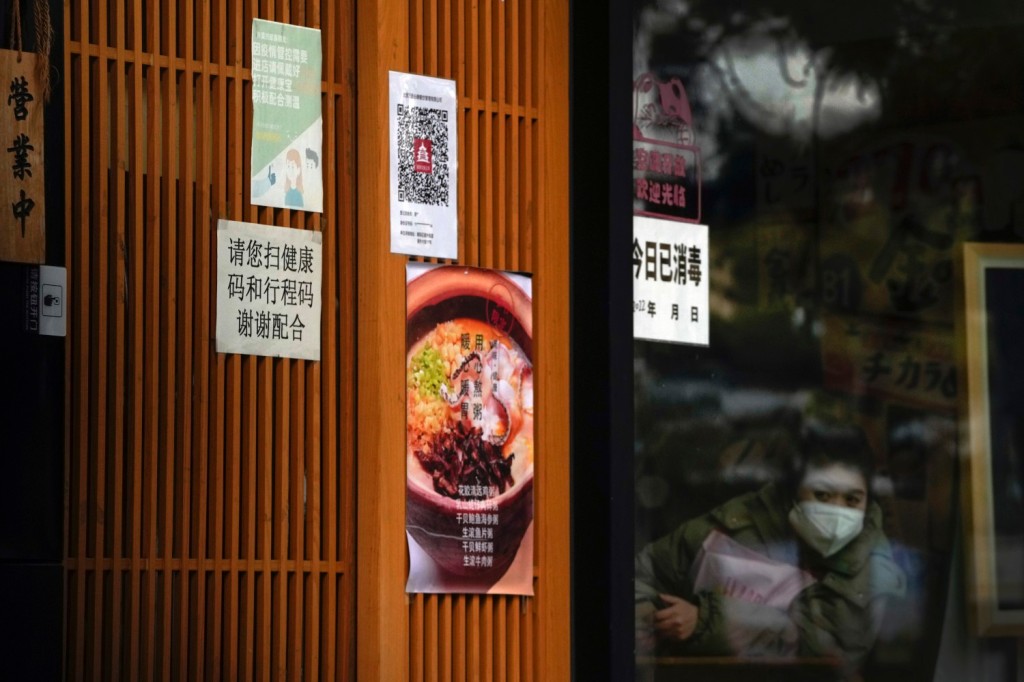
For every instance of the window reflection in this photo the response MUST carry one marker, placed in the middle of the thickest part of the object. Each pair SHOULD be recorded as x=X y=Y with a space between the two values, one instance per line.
x=845 y=153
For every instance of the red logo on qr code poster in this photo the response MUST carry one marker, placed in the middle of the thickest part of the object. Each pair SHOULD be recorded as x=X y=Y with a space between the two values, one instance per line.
x=423 y=156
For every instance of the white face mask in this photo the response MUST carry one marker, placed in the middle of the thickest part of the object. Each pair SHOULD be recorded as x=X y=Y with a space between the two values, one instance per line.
x=826 y=527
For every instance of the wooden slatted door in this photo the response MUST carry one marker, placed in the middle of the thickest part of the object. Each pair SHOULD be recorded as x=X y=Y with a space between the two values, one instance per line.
x=210 y=496
x=510 y=63
x=212 y=514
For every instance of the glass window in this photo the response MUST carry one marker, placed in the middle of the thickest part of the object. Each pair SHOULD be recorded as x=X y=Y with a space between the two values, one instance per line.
x=795 y=478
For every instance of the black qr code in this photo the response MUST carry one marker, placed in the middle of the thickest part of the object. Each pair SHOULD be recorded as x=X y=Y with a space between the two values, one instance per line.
x=423 y=155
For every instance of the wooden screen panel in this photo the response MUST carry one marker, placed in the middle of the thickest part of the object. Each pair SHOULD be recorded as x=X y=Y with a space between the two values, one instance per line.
x=210 y=497
x=493 y=50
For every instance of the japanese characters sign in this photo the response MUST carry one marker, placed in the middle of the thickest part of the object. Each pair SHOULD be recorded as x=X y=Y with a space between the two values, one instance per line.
x=670 y=281
x=268 y=290
x=424 y=166
x=910 y=364
x=22 y=198
x=666 y=162
x=469 y=430
x=287 y=129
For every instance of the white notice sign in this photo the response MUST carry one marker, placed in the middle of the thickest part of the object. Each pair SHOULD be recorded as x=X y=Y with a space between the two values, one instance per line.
x=268 y=290
x=424 y=166
x=670 y=281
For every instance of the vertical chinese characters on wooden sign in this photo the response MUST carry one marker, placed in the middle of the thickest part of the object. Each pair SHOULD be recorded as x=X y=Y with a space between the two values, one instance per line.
x=22 y=204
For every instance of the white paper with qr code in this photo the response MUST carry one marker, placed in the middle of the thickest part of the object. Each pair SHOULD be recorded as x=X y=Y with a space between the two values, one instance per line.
x=727 y=567
x=424 y=166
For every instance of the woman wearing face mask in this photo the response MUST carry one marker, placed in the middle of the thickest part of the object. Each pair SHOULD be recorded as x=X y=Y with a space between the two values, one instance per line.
x=821 y=519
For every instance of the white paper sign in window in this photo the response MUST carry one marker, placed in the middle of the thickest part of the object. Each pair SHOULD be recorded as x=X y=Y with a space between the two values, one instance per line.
x=268 y=290
x=670 y=281
x=424 y=166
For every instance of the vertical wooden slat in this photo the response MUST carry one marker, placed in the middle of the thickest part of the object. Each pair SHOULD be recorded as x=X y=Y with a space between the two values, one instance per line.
x=185 y=374
x=514 y=640
x=530 y=662
x=343 y=523
x=201 y=444
x=486 y=215
x=462 y=87
x=431 y=637
x=99 y=332
x=168 y=321
x=430 y=43
x=445 y=40
x=153 y=440
x=473 y=644
x=222 y=514
x=472 y=136
x=135 y=454
x=446 y=629
x=500 y=642
x=529 y=184
x=294 y=512
x=416 y=47
x=514 y=153
x=326 y=493
x=119 y=292
x=279 y=555
x=239 y=608
x=247 y=644
x=459 y=631
x=486 y=638
x=416 y=644
x=81 y=295
x=501 y=117
x=264 y=521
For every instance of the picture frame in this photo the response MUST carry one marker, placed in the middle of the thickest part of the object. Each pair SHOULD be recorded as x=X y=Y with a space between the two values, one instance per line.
x=991 y=329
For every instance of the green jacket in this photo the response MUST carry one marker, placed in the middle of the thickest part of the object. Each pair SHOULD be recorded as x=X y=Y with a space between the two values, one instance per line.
x=837 y=616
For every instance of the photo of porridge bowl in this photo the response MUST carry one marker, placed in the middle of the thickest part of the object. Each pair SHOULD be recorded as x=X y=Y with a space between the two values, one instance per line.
x=469 y=427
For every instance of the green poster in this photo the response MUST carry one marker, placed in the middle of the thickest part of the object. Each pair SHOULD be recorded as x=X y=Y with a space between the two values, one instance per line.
x=287 y=130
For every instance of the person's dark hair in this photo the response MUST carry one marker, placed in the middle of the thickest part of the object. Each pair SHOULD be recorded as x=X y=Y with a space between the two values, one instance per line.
x=312 y=156
x=823 y=444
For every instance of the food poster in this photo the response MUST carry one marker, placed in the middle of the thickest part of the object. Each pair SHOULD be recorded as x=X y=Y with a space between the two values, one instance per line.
x=287 y=129
x=268 y=290
x=424 y=166
x=22 y=192
x=469 y=430
x=670 y=281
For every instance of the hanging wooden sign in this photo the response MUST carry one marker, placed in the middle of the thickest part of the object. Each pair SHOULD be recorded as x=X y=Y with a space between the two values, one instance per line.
x=22 y=194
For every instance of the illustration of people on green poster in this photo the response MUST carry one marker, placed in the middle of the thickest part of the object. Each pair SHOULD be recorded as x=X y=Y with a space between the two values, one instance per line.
x=287 y=131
